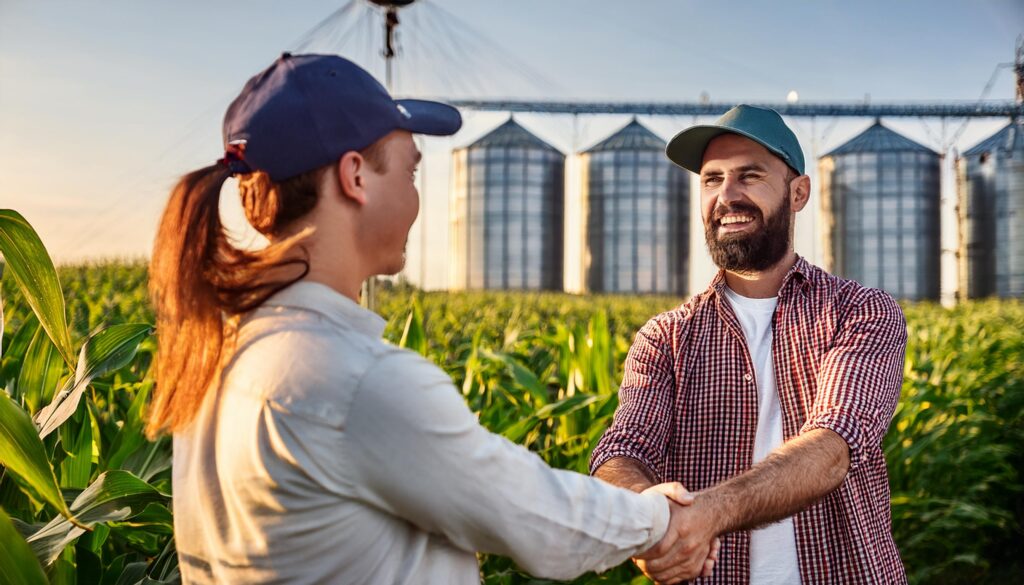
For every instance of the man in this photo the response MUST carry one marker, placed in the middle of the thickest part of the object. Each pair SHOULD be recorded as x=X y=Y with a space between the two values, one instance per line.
x=769 y=393
x=306 y=449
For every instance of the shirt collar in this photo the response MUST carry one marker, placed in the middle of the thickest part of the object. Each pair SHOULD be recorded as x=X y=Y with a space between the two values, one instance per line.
x=334 y=306
x=799 y=274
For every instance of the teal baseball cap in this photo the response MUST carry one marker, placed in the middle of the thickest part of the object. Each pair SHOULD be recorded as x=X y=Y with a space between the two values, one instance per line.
x=762 y=125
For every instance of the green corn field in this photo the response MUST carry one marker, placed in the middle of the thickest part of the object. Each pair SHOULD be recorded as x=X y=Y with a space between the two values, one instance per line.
x=85 y=498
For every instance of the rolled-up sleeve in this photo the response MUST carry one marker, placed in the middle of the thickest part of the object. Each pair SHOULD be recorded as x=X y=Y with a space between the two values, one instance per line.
x=860 y=377
x=641 y=427
x=418 y=453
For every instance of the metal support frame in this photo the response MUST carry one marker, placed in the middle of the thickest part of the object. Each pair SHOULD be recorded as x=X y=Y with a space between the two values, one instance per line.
x=994 y=109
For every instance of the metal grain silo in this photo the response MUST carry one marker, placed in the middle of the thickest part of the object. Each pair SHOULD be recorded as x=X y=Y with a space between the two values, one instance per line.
x=636 y=209
x=507 y=212
x=880 y=207
x=991 y=204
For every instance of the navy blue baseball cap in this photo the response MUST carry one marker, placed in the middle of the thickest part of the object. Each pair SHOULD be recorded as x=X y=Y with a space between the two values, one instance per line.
x=762 y=125
x=306 y=111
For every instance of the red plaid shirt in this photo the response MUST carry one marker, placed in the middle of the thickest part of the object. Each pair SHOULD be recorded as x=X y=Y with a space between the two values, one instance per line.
x=688 y=411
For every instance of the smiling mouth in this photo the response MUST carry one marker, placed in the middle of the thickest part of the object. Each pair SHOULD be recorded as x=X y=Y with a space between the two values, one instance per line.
x=735 y=223
x=735 y=219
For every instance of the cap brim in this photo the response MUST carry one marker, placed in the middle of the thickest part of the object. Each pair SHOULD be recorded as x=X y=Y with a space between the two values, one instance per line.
x=686 y=149
x=426 y=117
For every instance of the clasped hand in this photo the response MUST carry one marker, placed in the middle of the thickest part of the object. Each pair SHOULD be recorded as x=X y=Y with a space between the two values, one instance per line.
x=689 y=548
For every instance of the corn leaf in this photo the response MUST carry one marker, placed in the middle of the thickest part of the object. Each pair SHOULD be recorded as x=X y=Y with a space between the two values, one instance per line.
x=14 y=355
x=567 y=406
x=17 y=563
x=413 y=337
x=41 y=372
x=76 y=440
x=522 y=375
x=106 y=351
x=1 y=313
x=30 y=264
x=23 y=454
x=131 y=437
x=114 y=496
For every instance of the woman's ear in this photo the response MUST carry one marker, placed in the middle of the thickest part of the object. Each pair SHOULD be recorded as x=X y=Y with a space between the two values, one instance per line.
x=351 y=169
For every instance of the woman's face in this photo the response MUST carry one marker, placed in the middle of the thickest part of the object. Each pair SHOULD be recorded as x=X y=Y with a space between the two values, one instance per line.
x=392 y=203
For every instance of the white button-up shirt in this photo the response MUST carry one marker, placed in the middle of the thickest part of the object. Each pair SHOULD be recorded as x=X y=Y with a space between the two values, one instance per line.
x=326 y=455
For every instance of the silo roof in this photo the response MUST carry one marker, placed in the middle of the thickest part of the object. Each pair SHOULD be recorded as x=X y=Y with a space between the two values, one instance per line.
x=1010 y=138
x=878 y=138
x=511 y=134
x=633 y=136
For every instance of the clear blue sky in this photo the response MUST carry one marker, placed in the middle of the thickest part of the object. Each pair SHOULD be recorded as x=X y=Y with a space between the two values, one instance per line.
x=103 y=105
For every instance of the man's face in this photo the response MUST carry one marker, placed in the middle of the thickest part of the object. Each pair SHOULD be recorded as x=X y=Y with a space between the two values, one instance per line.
x=745 y=204
x=392 y=203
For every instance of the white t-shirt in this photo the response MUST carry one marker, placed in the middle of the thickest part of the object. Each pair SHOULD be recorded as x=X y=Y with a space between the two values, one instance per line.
x=773 y=557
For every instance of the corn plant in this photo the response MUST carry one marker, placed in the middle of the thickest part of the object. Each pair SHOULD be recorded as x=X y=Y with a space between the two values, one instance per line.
x=955 y=450
x=84 y=497
x=541 y=369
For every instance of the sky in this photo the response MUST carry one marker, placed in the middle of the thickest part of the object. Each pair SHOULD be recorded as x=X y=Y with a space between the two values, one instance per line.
x=103 y=105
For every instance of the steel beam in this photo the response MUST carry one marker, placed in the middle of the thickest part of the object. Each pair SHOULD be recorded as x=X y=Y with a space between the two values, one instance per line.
x=988 y=109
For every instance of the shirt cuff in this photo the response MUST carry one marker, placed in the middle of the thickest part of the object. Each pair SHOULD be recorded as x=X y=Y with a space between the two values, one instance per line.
x=661 y=513
x=847 y=427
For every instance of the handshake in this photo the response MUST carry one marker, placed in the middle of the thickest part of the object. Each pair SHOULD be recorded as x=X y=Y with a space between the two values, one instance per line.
x=689 y=548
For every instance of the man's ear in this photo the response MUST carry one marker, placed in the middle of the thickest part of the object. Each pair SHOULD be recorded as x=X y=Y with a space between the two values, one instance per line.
x=799 y=192
x=351 y=169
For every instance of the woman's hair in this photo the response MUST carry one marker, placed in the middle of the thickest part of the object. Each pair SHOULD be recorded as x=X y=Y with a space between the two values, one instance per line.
x=198 y=278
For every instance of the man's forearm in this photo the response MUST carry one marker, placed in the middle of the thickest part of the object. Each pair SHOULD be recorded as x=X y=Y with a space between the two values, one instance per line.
x=627 y=473
x=789 y=480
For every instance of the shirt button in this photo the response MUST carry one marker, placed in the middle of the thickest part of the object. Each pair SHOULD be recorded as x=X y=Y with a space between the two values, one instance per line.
x=747 y=377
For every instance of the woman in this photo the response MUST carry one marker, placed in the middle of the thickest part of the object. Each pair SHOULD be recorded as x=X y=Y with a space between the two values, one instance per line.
x=306 y=449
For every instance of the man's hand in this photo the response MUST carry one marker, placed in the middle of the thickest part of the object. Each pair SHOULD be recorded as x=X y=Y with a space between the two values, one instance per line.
x=689 y=548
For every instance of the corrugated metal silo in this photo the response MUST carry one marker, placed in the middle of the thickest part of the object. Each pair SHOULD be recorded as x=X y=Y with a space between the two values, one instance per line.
x=880 y=207
x=636 y=205
x=507 y=212
x=991 y=202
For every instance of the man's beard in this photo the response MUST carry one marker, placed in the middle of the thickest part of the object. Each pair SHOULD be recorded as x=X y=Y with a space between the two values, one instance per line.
x=750 y=252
